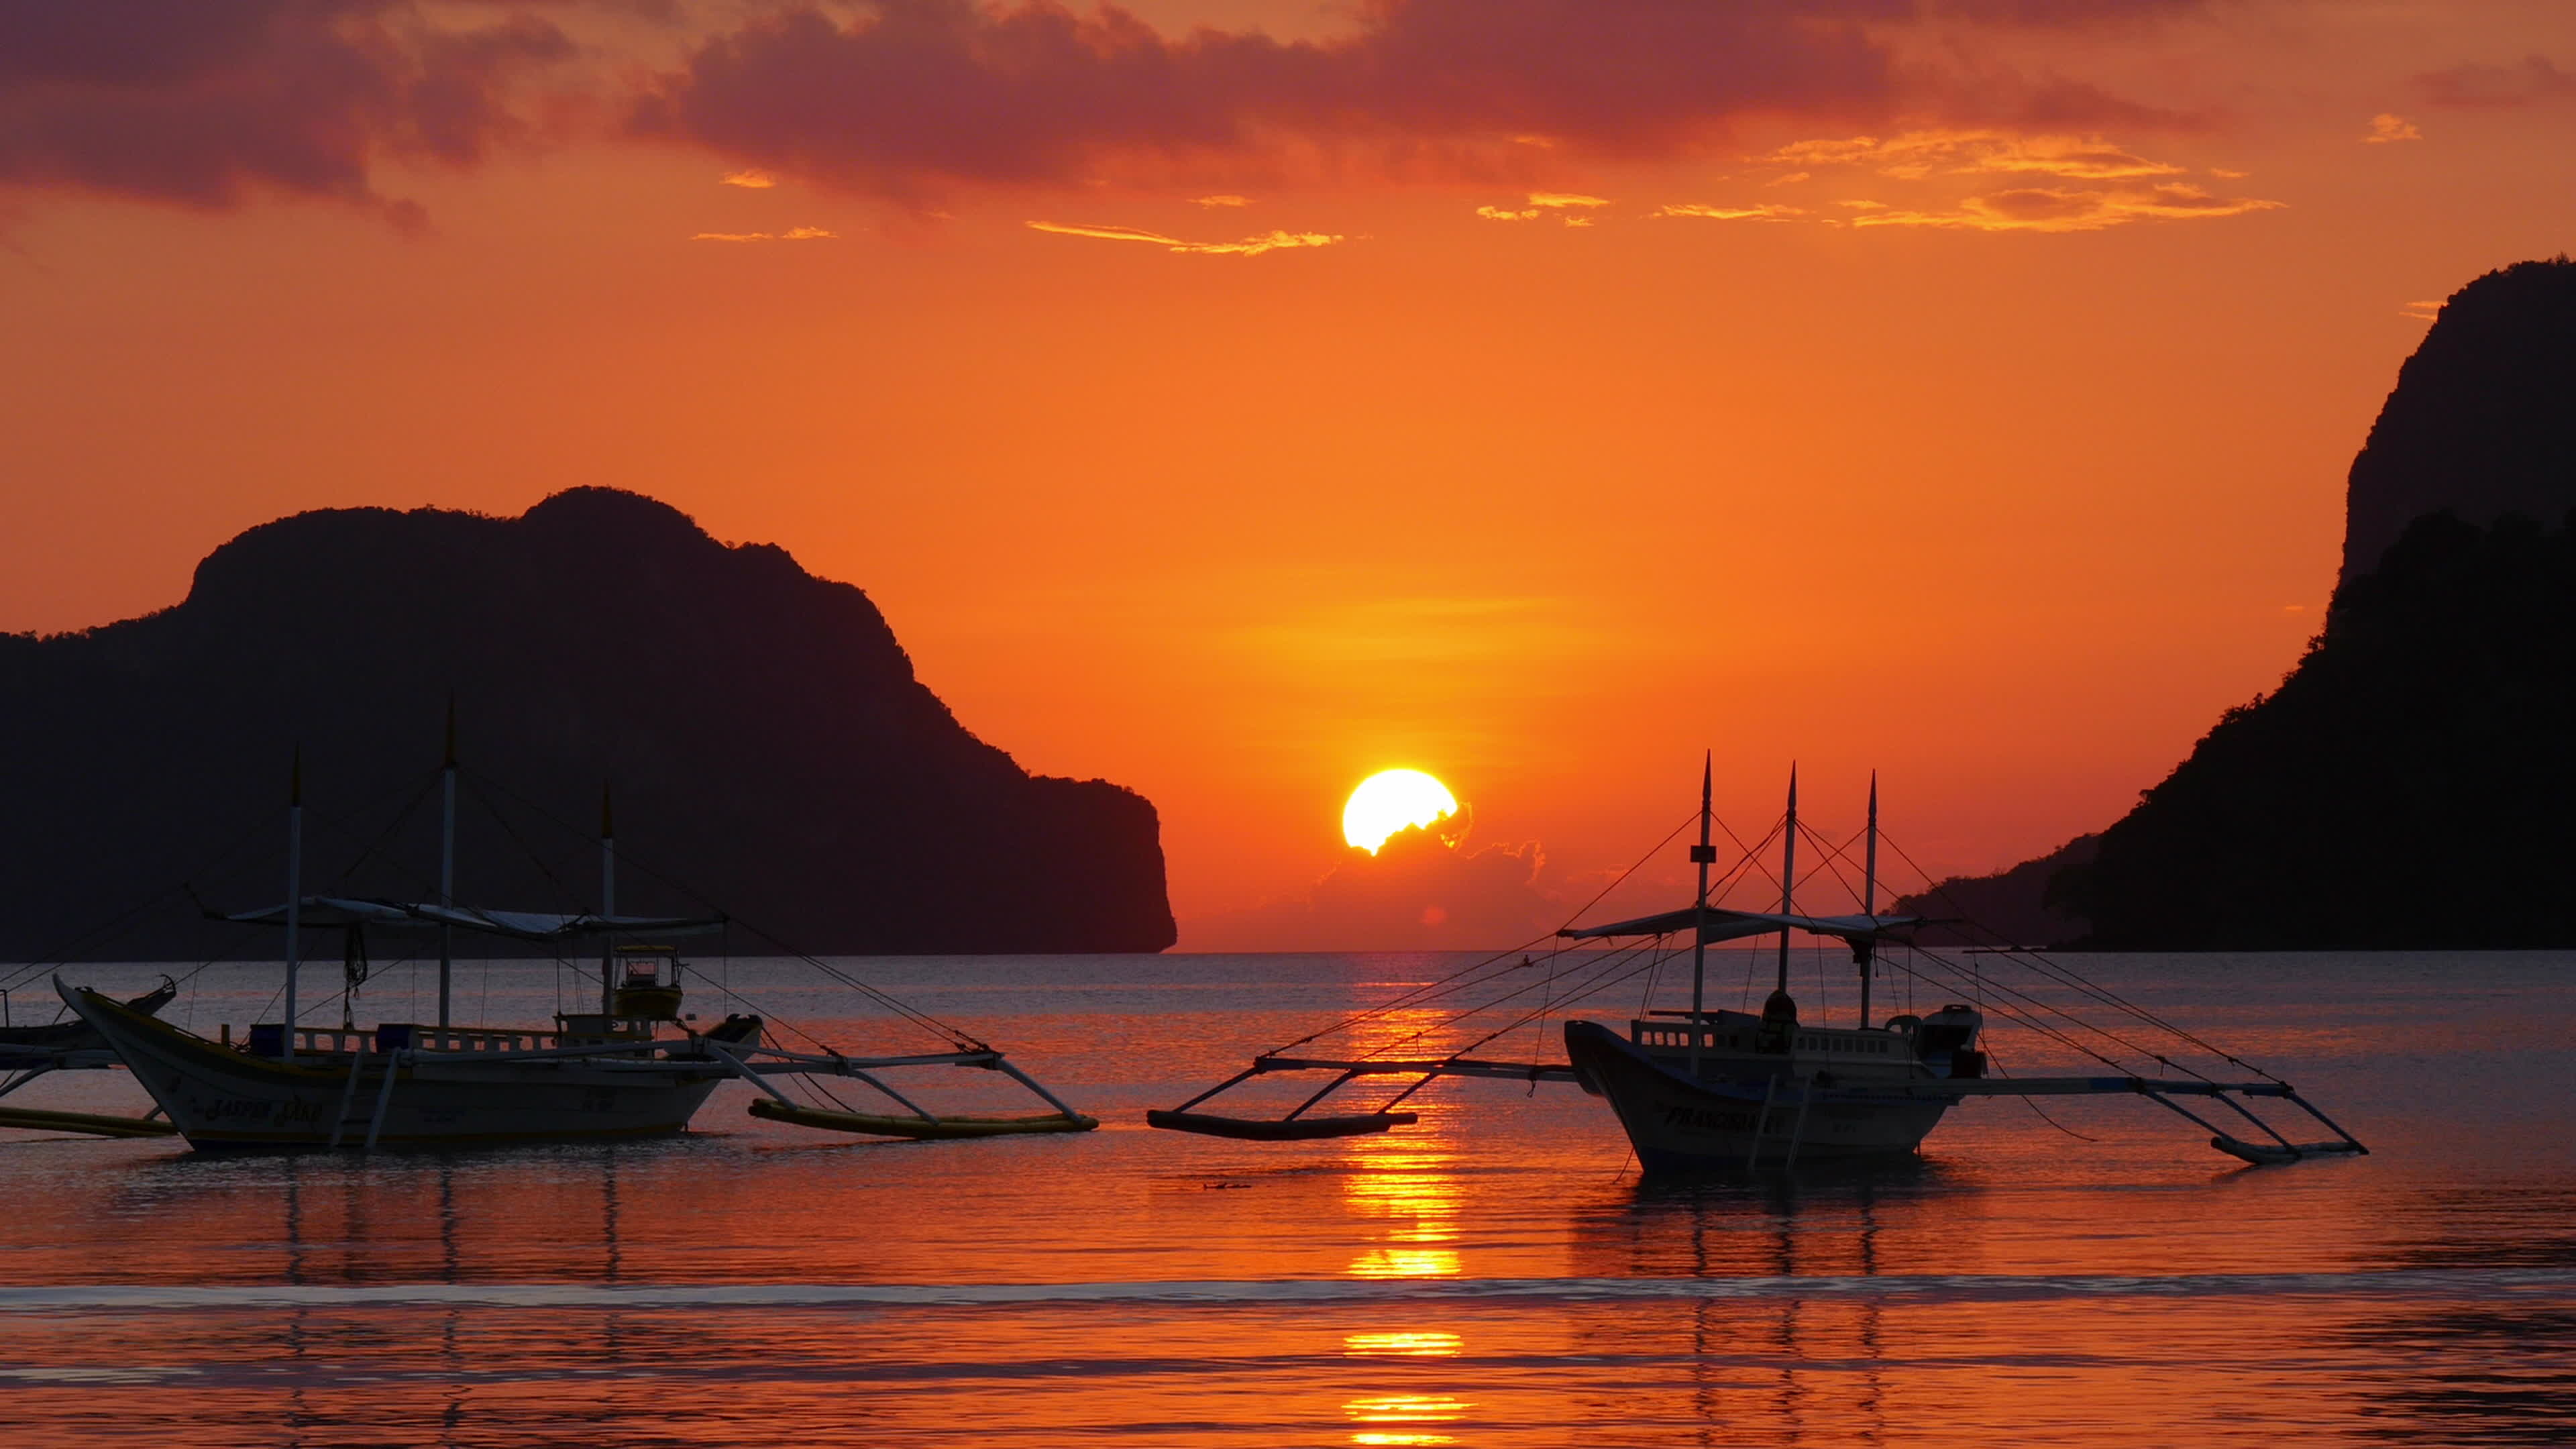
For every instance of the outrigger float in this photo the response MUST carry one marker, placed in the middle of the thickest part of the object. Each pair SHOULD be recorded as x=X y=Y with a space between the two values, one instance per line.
x=1698 y=1089
x=634 y=1068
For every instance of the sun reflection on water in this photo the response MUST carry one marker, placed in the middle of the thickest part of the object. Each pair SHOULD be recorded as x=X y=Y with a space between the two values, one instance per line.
x=1402 y=1345
x=1398 y=1413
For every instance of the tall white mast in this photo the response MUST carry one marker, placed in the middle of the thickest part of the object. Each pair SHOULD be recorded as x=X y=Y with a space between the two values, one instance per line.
x=294 y=896
x=1868 y=949
x=607 y=904
x=1702 y=854
x=447 y=863
x=1788 y=873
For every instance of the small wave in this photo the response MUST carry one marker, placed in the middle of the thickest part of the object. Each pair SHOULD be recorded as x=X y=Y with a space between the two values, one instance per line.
x=1894 y=1288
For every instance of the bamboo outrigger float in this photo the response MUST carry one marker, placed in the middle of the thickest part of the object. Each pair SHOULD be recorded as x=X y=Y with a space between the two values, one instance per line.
x=634 y=1068
x=1702 y=1089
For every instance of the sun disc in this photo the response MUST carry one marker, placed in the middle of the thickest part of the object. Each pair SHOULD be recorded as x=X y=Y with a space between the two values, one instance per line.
x=1390 y=800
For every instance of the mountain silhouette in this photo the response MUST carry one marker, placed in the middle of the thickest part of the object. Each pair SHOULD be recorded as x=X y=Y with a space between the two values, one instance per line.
x=769 y=750
x=2408 y=784
x=2482 y=423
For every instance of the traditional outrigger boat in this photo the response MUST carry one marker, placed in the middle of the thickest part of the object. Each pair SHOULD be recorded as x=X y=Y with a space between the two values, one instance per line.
x=636 y=1067
x=1698 y=1089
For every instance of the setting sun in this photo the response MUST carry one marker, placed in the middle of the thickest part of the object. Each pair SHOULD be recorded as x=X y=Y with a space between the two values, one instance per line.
x=1390 y=800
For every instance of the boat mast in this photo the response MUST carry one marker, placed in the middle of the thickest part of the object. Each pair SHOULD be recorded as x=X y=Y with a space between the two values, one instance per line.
x=294 y=895
x=1788 y=873
x=607 y=906
x=1702 y=854
x=447 y=863
x=1868 y=949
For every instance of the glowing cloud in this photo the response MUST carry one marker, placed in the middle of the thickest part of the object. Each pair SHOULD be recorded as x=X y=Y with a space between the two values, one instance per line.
x=800 y=233
x=1226 y=200
x=750 y=180
x=2056 y=209
x=2421 y=311
x=1559 y=200
x=1918 y=154
x=2385 y=128
x=1252 y=246
x=1764 y=212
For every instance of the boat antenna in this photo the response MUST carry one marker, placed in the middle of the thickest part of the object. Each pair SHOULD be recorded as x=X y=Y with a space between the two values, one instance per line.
x=607 y=903
x=447 y=865
x=294 y=894
x=1867 y=950
x=1703 y=855
x=1788 y=874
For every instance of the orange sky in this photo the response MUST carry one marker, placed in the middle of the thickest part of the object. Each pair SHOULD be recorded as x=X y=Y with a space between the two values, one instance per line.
x=2006 y=495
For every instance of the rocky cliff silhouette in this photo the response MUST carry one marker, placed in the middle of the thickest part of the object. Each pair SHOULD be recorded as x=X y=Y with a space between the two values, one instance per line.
x=770 y=751
x=2411 y=782
x=2482 y=423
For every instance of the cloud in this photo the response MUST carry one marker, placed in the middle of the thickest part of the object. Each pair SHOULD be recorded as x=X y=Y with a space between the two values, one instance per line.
x=1419 y=892
x=2385 y=128
x=904 y=97
x=800 y=233
x=1732 y=213
x=1918 y=154
x=2499 y=87
x=1562 y=204
x=1221 y=200
x=1252 y=246
x=2065 y=209
x=207 y=105
x=2422 y=311
x=750 y=180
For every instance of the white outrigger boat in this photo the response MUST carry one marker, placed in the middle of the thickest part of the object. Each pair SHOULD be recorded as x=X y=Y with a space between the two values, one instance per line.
x=634 y=1068
x=1699 y=1089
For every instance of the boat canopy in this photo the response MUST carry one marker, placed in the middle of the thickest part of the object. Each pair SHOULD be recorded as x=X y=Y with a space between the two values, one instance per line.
x=1722 y=924
x=518 y=925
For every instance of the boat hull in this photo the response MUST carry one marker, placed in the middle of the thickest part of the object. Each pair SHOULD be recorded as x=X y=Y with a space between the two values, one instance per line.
x=221 y=1099
x=1740 y=1119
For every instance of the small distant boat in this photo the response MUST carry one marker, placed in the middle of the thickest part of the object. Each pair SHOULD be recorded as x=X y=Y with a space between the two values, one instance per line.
x=1700 y=1090
x=636 y=1067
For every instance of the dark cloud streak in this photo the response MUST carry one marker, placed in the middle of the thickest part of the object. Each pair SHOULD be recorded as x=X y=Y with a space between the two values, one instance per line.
x=203 y=104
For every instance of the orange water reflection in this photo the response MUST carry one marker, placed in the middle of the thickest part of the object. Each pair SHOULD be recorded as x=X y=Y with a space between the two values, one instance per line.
x=1392 y=1418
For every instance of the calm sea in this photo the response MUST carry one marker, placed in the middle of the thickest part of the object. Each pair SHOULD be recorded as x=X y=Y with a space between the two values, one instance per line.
x=1496 y=1276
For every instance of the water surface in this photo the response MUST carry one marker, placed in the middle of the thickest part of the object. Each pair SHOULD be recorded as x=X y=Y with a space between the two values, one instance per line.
x=1497 y=1275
